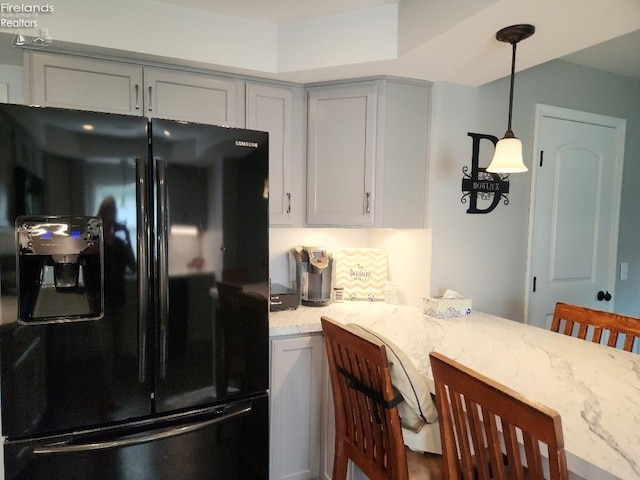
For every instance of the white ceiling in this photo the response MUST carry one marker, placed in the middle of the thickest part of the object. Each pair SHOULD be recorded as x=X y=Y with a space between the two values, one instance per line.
x=457 y=40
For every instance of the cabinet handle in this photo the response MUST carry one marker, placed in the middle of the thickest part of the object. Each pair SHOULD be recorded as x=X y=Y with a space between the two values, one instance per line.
x=288 y=203
x=368 y=208
x=150 y=104
x=137 y=97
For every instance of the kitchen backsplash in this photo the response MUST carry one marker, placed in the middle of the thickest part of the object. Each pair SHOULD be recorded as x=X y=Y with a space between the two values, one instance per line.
x=408 y=253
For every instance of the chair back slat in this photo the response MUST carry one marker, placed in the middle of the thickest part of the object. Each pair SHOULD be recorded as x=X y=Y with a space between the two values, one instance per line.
x=597 y=334
x=477 y=435
x=532 y=454
x=596 y=325
x=367 y=431
x=493 y=441
x=512 y=447
x=568 y=329
x=493 y=428
x=628 y=343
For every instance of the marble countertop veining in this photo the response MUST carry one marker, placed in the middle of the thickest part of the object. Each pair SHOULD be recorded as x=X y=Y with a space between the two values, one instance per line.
x=596 y=389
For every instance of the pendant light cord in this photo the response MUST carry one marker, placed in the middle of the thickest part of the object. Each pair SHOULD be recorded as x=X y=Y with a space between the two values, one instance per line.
x=513 y=74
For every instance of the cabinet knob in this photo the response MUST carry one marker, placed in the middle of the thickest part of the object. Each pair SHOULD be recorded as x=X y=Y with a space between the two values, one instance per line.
x=368 y=205
x=288 y=203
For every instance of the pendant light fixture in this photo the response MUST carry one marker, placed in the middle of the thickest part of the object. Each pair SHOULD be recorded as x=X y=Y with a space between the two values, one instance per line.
x=508 y=155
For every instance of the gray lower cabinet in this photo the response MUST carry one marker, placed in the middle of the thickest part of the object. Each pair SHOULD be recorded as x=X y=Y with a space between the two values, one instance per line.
x=302 y=412
x=296 y=374
x=327 y=422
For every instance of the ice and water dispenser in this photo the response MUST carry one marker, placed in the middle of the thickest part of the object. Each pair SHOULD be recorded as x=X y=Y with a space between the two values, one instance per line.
x=59 y=268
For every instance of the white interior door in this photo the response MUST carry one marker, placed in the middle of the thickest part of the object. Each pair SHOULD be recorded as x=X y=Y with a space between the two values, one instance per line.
x=574 y=210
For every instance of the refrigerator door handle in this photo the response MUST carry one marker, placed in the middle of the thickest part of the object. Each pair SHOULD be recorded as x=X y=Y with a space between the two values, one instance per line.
x=143 y=252
x=163 y=261
x=56 y=448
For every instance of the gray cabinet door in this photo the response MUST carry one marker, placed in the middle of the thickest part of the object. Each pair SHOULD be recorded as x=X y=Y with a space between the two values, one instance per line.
x=341 y=154
x=270 y=109
x=85 y=84
x=191 y=97
x=296 y=369
x=82 y=83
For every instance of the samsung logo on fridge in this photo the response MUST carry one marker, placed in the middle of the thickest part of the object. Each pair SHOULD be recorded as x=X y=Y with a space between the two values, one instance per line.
x=242 y=143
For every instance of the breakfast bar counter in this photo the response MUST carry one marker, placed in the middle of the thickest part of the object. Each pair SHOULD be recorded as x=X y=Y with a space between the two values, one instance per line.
x=596 y=389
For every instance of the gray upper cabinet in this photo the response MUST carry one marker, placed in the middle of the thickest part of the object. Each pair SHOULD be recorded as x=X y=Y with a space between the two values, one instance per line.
x=367 y=153
x=279 y=110
x=403 y=141
x=83 y=84
x=109 y=86
x=350 y=153
x=191 y=97
x=341 y=154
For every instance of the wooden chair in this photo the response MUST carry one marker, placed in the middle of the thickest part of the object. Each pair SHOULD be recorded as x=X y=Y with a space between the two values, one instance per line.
x=588 y=324
x=475 y=412
x=368 y=430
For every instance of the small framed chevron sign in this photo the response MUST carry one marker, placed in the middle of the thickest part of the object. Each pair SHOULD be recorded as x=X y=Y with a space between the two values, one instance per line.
x=362 y=272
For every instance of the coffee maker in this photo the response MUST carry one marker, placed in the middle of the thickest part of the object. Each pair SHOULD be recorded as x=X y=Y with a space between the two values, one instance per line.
x=312 y=274
x=59 y=268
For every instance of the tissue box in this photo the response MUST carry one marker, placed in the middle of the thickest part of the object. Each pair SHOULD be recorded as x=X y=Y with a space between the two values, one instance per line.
x=440 y=307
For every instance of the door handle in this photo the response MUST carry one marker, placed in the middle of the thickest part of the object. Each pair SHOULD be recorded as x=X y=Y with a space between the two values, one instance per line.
x=143 y=252
x=162 y=225
x=606 y=296
x=136 y=440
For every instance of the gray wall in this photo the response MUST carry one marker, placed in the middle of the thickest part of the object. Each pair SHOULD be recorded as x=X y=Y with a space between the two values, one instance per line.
x=485 y=256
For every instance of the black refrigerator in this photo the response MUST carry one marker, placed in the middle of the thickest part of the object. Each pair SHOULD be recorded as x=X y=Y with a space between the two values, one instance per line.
x=133 y=297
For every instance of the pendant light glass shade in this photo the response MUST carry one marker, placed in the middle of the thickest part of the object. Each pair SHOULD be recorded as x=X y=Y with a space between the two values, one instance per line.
x=508 y=156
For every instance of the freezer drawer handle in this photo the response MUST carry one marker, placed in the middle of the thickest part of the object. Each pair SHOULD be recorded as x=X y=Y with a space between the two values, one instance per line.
x=127 y=442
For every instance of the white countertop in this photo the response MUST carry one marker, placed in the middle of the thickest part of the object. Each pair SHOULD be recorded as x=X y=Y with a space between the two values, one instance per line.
x=596 y=389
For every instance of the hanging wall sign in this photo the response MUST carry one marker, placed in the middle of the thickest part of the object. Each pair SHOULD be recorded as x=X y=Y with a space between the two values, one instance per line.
x=483 y=190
